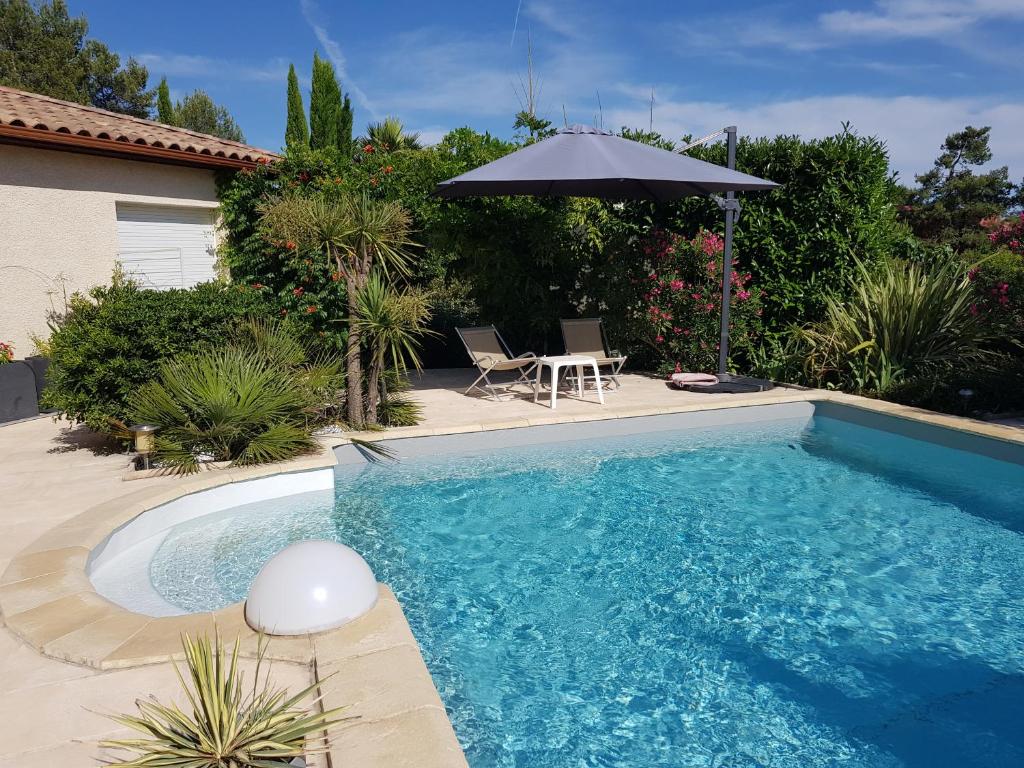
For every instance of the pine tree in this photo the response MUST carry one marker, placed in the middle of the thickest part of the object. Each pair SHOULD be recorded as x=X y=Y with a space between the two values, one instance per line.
x=164 y=107
x=324 y=105
x=345 y=128
x=45 y=50
x=296 y=132
x=198 y=112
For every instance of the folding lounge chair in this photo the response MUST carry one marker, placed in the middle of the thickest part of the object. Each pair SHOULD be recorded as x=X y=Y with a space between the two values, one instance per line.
x=490 y=353
x=587 y=337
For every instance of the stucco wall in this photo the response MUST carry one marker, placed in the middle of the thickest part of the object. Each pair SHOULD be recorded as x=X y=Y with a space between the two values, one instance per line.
x=58 y=225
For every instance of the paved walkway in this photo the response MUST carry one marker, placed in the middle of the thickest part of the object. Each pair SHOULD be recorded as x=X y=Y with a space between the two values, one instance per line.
x=49 y=710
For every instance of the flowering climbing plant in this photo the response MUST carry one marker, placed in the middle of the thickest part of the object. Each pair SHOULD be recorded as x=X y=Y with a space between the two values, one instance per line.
x=678 y=306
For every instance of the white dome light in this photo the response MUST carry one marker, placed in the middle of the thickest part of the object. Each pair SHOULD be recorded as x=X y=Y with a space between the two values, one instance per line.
x=310 y=586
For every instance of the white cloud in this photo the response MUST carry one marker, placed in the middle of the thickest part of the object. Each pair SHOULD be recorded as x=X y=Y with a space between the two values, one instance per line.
x=952 y=22
x=913 y=127
x=185 y=65
x=430 y=134
x=311 y=13
x=555 y=19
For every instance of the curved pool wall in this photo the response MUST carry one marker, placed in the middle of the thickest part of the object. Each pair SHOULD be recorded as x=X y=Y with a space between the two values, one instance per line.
x=119 y=567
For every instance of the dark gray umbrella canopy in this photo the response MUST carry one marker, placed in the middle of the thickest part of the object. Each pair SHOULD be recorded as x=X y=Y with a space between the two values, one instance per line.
x=589 y=162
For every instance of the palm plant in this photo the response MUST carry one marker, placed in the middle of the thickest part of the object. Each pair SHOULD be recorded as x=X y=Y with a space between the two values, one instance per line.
x=318 y=371
x=229 y=726
x=392 y=323
x=356 y=234
x=227 y=404
x=902 y=320
x=389 y=135
x=396 y=408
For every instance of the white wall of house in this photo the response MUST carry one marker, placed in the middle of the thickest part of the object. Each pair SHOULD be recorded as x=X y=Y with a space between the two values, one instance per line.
x=59 y=228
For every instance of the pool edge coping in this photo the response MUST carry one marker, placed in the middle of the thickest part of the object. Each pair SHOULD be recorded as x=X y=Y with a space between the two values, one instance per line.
x=49 y=602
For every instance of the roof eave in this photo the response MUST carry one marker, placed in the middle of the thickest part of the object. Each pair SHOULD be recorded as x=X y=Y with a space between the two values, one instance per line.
x=69 y=142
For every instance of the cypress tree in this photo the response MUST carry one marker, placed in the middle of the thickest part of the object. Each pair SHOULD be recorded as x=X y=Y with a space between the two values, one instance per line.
x=296 y=132
x=324 y=105
x=345 y=128
x=164 y=108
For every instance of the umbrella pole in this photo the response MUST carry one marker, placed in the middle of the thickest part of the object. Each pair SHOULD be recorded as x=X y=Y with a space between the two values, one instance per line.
x=730 y=207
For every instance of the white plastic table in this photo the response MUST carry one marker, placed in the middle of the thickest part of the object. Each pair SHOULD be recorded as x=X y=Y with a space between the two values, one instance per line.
x=556 y=363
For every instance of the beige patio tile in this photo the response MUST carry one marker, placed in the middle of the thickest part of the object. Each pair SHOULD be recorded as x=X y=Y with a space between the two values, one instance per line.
x=382 y=628
x=28 y=593
x=421 y=738
x=22 y=667
x=32 y=565
x=231 y=625
x=379 y=685
x=46 y=622
x=91 y=643
x=159 y=640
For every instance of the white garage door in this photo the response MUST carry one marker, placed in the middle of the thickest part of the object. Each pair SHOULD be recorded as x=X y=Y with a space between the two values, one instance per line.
x=166 y=247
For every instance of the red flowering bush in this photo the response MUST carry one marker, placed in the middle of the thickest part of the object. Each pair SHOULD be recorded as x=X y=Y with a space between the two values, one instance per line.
x=1008 y=233
x=678 y=311
x=6 y=352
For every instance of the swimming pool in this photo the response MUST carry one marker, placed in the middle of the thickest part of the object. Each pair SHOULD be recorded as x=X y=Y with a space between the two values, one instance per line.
x=815 y=589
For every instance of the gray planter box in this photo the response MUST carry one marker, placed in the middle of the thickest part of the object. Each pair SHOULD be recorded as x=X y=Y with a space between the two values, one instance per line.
x=39 y=365
x=18 y=396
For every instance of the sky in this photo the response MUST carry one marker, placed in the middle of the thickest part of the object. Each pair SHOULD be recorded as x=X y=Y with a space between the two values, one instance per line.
x=906 y=71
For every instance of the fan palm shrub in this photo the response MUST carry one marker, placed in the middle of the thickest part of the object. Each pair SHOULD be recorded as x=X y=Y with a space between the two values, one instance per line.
x=356 y=234
x=225 y=404
x=901 y=320
x=253 y=400
x=389 y=135
x=230 y=725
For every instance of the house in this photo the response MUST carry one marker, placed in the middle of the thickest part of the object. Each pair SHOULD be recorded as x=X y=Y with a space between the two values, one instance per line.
x=83 y=190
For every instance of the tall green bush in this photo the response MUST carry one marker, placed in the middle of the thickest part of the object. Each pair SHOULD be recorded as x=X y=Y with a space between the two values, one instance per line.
x=324 y=105
x=112 y=340
x=296 y=132
x=799 y=243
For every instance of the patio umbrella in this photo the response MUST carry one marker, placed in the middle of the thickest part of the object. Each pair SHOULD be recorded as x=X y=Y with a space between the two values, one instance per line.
x=581 y=161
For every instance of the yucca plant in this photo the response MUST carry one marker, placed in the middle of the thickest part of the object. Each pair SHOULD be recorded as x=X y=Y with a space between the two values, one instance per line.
x=356 y=234
x=396 y=408
x=391 y=322
x=230 y=725
x=902 y=320
x=229 y=404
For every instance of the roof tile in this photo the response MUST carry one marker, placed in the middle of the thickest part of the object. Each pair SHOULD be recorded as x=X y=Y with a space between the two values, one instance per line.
x=126 y=134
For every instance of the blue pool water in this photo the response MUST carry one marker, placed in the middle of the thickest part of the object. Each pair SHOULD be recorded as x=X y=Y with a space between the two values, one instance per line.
x=765 y=595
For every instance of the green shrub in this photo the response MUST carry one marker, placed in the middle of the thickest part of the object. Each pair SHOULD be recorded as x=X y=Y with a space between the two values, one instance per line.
x=112 y=340
x=252 y=401
x=998 y=282
x=798 y=242
x=997 y=388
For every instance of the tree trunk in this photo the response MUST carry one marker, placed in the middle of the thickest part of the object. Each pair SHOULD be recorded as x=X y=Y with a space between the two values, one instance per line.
x=373 y=390
x=353 y=360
